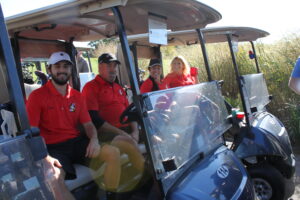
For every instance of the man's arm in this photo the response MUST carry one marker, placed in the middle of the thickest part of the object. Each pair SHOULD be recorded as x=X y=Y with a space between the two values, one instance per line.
x=107 y=127
x=93 y=149
x=294 y=82
x=56 y=179
x=135 y=131
x=103 y=126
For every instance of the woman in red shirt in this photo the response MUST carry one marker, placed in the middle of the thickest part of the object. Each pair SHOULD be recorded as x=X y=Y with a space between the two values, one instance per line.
x=180 y=74
x=153 y=83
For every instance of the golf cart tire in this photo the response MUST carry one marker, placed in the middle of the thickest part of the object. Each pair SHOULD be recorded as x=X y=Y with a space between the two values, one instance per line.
x=272 y=176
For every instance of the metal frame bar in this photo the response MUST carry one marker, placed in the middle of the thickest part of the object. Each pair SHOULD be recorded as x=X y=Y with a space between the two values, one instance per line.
x=71 y=50
x=238 y=78
x=255 y=58
x=204 y=53
x=126 y=52
x=134 y=83
x=13 y=81
x=135 y=59
x=89 y=60
x=159 y=55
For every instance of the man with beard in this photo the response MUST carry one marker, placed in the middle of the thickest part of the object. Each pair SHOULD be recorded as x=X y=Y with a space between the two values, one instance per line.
x=57 y=110
x=107 y=100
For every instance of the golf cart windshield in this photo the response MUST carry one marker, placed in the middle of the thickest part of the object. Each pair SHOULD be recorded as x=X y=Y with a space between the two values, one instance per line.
x=184 y=123
x=256 y=90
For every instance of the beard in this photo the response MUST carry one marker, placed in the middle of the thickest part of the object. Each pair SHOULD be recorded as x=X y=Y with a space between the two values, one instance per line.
x=61 y=81
x=112 y=77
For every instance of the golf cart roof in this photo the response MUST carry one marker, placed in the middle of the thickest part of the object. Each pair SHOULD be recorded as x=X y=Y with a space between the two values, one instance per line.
x=212 y=35
x=86 y=20
x=84 y=48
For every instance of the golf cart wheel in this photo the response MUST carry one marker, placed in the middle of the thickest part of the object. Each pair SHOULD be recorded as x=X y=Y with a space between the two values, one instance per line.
x=268 y=182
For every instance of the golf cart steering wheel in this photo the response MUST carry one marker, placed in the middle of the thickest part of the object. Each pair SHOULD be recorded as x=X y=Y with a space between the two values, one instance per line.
x=129 y=114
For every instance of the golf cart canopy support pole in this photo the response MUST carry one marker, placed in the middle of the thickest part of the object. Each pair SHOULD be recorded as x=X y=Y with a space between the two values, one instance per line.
x=132 y=75
x=71 y=50
x=238 y=78
x=16 y=50
x=126 y=52
x=204 y=53
x=134 y=51
x=89 y=60
x=256 y=62
x=160 y=58
x=14 y=83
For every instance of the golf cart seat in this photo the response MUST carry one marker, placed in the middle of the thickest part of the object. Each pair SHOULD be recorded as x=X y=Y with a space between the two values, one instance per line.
x=86 y=175
x=30 y=88
x=85 y=77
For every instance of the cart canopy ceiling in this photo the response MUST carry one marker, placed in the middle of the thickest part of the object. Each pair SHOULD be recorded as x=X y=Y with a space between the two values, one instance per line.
x=211 y=35
x=86 y=20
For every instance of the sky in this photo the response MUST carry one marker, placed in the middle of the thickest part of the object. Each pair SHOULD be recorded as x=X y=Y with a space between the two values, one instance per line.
x=278 y=17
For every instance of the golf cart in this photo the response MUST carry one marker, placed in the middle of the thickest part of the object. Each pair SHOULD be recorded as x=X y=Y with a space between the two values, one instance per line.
x=186 y=161
x=261 y=141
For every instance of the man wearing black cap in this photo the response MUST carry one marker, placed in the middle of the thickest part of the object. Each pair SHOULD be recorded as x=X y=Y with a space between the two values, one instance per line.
x=153 y=83
x=107 y=100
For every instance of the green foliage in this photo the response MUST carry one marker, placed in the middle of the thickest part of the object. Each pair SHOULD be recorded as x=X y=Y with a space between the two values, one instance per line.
x=104 y=41
x=94 y=63
x=276 y=61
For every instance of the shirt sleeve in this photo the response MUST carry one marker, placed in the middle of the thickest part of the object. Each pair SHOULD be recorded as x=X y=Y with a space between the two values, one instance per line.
x=90 y=97
x=84 y=114
x=34 y=108
x=296 y=71
x=146 y=86
x=194 y=71
x=166 y=82
x=96 y=119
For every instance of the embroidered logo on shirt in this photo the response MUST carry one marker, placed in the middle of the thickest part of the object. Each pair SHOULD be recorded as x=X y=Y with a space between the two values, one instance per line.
x=72 y=107
x=120 y=91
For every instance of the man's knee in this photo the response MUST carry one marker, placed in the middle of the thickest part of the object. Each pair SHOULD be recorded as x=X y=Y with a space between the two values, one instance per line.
x=110 y=153
x=123 y=139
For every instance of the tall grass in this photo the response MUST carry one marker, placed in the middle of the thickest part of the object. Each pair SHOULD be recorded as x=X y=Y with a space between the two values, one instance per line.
x=276 y=61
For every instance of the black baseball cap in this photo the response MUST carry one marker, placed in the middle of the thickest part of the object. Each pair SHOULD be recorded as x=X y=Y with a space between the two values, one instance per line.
x=154 y=61
x=107 y=58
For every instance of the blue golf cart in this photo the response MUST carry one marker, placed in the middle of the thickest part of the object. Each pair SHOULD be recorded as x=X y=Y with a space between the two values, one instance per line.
x=186 y=159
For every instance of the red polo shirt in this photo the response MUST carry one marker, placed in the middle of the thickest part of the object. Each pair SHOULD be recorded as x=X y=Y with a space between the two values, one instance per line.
x=174 y=80
x=109 y=99
x=148 y=85
x=57 y=116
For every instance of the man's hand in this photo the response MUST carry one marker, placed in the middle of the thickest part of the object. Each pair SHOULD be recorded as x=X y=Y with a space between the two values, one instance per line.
x=55 y=177
x=93 y=149
x=54 y=162
x=53 y=167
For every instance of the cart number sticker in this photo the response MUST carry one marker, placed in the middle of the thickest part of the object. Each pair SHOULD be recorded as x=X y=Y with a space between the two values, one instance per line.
x=223 y=171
